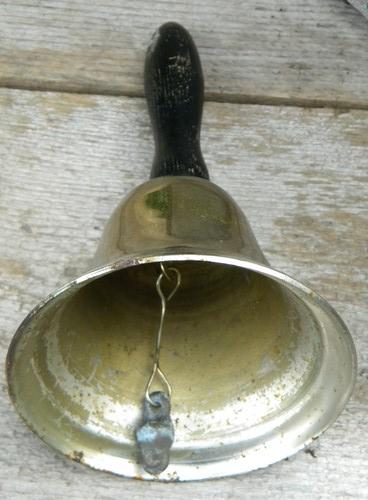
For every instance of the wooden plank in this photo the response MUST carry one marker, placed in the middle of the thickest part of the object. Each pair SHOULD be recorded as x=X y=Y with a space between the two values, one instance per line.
x=305 y=52
x=301 y=177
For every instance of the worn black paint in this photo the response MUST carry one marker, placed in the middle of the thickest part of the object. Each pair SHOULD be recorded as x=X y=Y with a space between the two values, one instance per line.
x=174 y=90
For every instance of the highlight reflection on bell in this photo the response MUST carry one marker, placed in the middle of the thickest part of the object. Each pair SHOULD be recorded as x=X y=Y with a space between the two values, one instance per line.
x=258 y=364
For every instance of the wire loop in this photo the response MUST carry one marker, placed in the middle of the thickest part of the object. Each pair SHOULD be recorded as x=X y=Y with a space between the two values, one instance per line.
x=156 y=371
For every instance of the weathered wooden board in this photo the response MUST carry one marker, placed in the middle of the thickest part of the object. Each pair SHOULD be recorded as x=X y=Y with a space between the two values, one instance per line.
x=305 y=52
x=301 y=177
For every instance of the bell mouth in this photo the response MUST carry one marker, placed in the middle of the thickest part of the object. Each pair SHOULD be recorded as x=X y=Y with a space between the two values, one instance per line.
x=258 y=363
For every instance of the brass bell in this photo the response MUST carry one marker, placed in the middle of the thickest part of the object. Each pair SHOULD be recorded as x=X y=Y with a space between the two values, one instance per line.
x=250 y=364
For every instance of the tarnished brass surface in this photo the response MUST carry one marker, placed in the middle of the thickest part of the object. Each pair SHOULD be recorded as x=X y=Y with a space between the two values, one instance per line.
x=259 y=364
x=177 y=212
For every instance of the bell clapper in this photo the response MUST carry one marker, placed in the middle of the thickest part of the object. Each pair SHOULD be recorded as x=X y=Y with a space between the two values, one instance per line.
x=155 y=435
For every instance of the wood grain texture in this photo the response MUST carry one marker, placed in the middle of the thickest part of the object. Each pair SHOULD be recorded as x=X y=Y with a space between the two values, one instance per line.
x=301 y=177
x=306 y=51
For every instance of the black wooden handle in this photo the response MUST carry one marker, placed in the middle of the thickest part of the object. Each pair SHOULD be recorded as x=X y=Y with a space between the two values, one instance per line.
x=173 y=84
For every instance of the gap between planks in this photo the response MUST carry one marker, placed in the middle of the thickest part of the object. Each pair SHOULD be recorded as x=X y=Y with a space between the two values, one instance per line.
x=228 y=98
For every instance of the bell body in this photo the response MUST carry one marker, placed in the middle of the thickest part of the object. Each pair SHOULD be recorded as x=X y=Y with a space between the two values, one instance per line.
x=171 y=215
x=258 y=363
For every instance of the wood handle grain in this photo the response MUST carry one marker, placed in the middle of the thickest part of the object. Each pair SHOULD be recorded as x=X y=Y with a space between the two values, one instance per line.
x=174 y=91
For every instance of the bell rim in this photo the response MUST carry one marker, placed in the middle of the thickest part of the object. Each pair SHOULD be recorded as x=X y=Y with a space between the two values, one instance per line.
x=191 y=472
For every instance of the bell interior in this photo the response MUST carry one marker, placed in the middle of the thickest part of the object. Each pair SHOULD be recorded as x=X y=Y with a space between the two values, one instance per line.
x=238 y=348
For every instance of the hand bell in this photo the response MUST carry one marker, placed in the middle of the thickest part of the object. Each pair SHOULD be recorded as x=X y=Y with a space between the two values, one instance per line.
x=182 y=354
